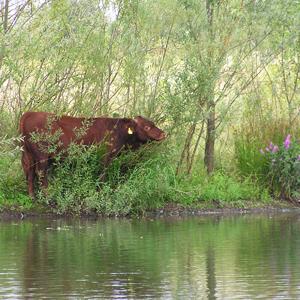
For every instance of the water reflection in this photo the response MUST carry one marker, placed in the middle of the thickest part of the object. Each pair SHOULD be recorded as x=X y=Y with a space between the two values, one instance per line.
x=204 y=258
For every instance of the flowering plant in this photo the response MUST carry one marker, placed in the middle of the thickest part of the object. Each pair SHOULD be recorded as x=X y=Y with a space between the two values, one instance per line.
x=283 y=163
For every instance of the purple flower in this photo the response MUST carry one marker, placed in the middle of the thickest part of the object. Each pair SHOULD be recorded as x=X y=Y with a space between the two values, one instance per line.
x=272 y=148
x=275 y=149
x=287 y=142
x=298 y=158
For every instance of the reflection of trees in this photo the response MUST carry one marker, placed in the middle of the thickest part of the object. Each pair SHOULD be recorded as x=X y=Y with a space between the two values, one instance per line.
x=13 y=236
x=270 y=252
x=39 y=265
x=216 y=257
x=211 y=276
x=111 y=258
x=115 y=257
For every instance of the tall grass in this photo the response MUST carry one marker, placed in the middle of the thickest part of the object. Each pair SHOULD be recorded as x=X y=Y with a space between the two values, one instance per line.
x=133 y=182
x=255 y=135
x=12 y=183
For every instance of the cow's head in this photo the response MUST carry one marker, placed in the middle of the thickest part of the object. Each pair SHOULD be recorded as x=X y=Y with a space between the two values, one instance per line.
x=146 y=130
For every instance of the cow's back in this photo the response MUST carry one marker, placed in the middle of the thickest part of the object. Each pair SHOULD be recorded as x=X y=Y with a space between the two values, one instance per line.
x=93 y=130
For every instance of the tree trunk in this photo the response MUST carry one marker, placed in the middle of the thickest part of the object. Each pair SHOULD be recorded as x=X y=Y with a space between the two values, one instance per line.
x=5 y=28
x=209 y=156
x=211 y=106
x=5 y=23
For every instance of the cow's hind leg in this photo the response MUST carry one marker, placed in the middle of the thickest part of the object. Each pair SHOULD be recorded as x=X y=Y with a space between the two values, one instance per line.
x=28 y=167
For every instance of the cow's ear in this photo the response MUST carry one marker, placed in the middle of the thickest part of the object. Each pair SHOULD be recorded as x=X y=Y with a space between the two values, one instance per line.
x=137 y=119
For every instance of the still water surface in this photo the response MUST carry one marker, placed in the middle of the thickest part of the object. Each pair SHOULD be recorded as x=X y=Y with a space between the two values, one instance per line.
x=240 y=257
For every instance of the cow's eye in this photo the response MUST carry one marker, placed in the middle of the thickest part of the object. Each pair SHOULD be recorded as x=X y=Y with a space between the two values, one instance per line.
x=147 y=128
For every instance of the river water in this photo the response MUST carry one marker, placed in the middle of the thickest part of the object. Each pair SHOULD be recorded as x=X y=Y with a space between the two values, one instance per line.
x=217 y=257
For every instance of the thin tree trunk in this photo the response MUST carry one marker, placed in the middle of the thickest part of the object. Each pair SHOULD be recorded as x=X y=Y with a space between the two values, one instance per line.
x=134 y=96
x=151 y=110
x=190 y=166
x=186 y=146
x=5 y=23
x=5 y=28
x=209 y=157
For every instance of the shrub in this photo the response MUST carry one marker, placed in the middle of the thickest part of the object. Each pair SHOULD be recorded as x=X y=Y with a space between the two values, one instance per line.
x=224 y=188
x=146 y=186
x=247 y=161
x=134 y=181
x=249 y=139
x=12 y=183
x=283 y=167
x=73 y=179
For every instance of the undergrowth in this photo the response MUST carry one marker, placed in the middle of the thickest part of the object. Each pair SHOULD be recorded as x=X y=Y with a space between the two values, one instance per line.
x=133 y=183
x=12 y=183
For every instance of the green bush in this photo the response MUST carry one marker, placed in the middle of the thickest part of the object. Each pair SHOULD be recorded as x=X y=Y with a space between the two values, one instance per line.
x=283 y=168
x=277 y=166
x=134 y=181
x=12 y=183
x=248 y=162
x=225 y=189
x=148 y=186
x=248 y=141
x=73 y=179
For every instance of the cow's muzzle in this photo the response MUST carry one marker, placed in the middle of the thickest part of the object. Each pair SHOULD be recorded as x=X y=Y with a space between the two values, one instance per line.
x=162 y=136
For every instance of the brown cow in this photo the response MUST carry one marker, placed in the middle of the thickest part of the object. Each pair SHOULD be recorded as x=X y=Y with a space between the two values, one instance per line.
x=41 y=131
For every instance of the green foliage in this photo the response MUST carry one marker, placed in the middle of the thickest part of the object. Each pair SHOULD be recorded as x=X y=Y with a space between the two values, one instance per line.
x=283 y=166
x=261 y=154
x=248 y=160
x=177 y=62
x=74 y=178
x=148 y=185
x=12 y=183
x=134 y=182
x=223 y=188
x=255 y=132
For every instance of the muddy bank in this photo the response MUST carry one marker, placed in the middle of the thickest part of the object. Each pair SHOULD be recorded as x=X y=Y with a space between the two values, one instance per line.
x=178 y=210
x=169 y=210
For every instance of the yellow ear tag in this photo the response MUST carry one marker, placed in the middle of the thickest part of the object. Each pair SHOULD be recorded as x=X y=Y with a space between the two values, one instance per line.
x=130 y=131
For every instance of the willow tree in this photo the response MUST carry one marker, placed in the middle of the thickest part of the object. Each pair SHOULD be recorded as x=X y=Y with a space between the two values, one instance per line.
x=220 y=39
x=186 y=61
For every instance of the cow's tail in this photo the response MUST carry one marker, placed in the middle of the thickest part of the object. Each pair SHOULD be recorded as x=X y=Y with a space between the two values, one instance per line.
x=22 y=123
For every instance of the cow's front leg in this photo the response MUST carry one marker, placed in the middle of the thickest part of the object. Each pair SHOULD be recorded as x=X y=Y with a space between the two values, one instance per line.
x=111 y=153
x=42 y=171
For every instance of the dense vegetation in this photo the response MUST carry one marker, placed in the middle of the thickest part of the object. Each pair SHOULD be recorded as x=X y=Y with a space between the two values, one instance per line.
x=221 y=77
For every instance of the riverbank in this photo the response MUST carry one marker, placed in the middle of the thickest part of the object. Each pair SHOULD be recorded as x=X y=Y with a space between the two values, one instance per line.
x=168 y=210
x=172 y=209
